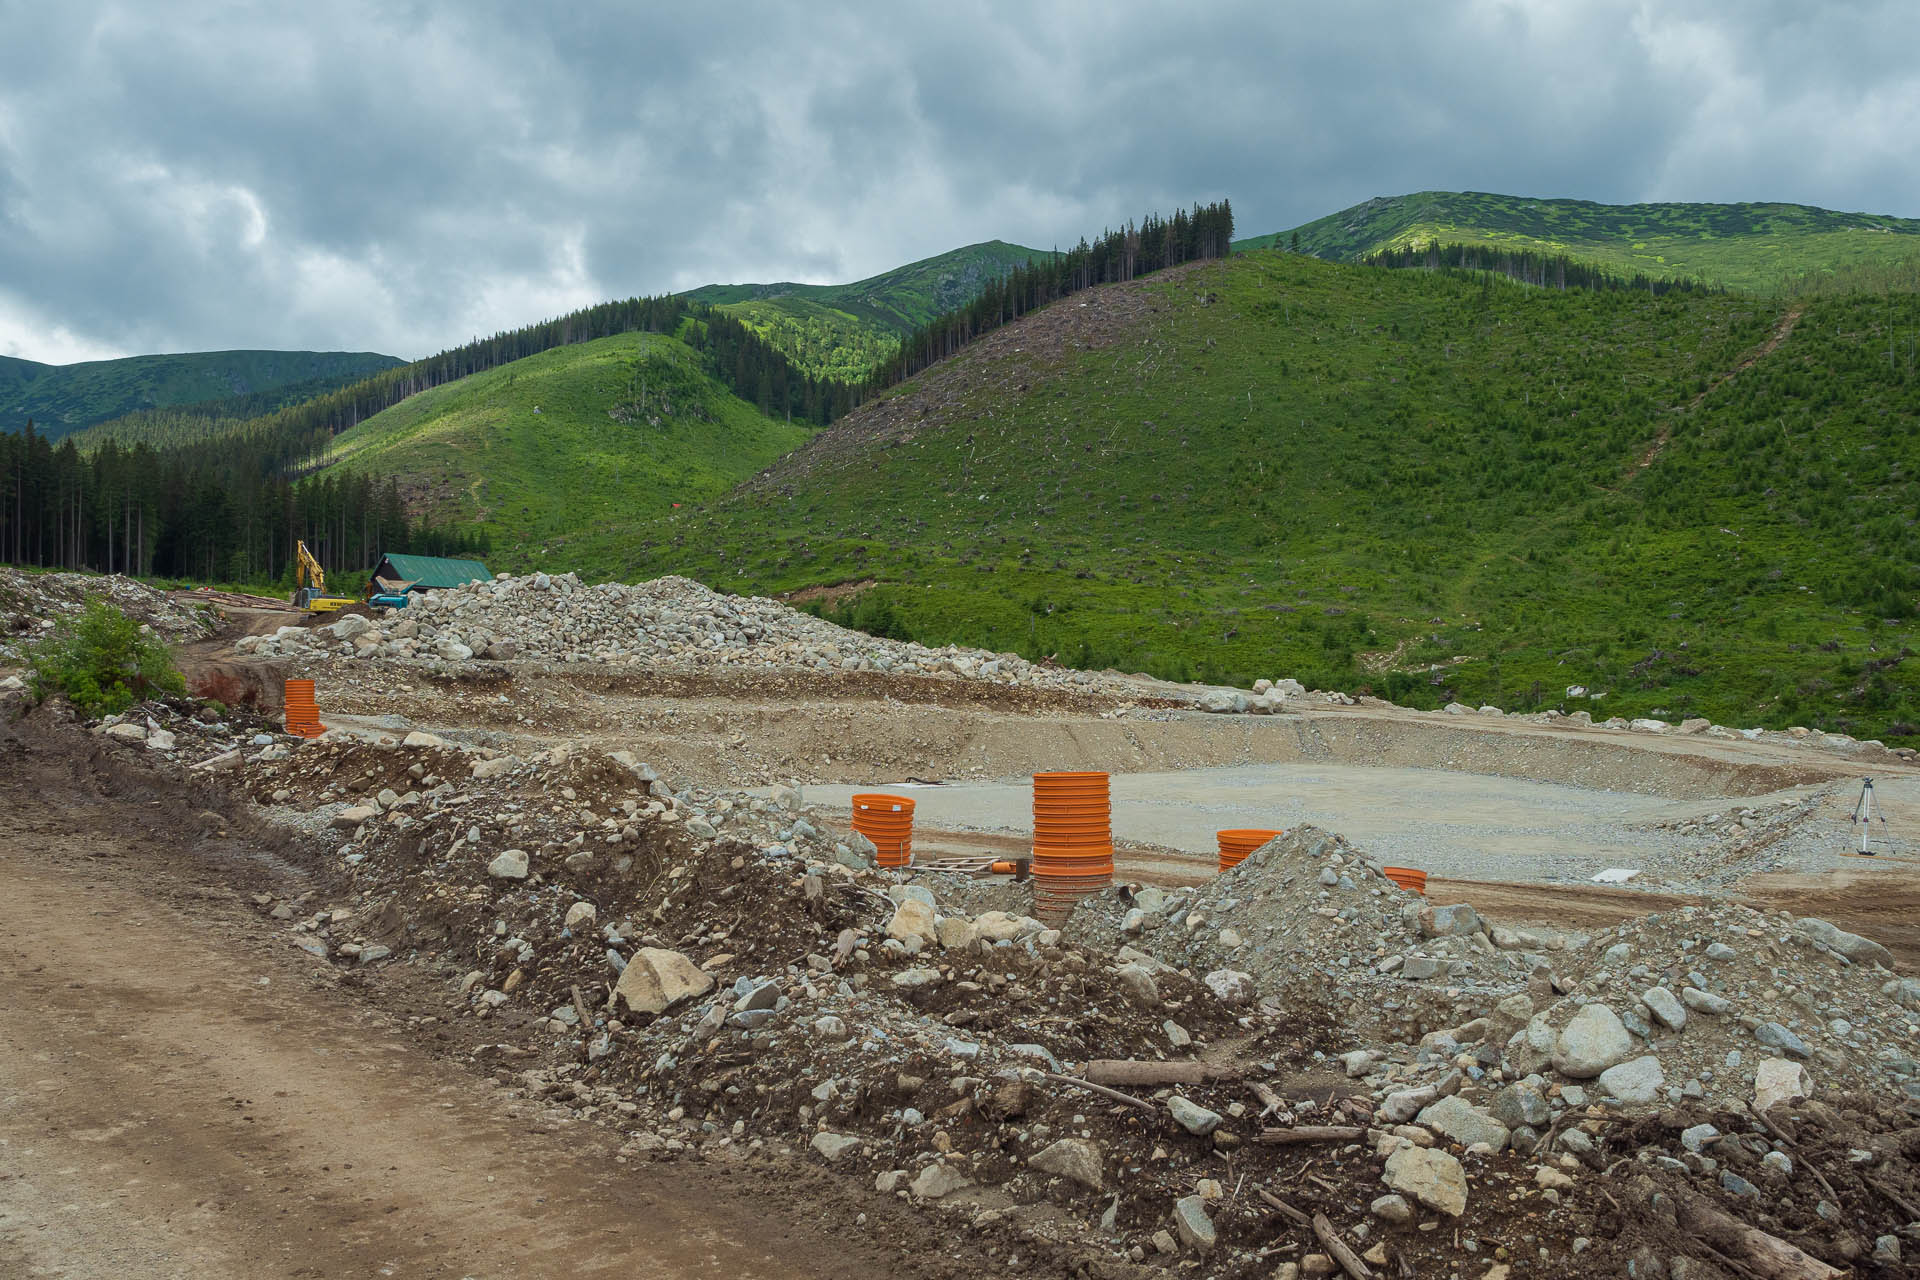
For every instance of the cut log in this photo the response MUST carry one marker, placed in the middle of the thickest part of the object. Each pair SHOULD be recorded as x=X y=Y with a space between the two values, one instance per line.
x=1767 y=1256
x=1129 y=1071
x=1311 y=1133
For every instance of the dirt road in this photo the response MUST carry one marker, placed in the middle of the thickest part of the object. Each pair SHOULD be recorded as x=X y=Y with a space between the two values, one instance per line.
x=183 y=1094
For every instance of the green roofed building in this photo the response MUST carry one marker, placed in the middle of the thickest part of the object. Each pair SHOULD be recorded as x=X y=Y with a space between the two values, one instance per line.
x=396 y=573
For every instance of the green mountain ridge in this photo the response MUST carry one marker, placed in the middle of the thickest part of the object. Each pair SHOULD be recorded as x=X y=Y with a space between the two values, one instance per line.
x=540 y=449
x=64 y=399
x=1756 y=247
x=1431 y=486
x=843 y=330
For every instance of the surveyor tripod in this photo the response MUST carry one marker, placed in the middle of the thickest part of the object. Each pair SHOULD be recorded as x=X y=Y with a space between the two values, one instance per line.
x=1865 y=810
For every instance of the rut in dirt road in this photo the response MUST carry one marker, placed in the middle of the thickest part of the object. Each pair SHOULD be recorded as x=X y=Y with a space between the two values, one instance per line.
x=179 y=1098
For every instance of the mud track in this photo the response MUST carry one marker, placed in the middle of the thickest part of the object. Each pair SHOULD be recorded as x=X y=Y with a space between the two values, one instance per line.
x=182 y=1094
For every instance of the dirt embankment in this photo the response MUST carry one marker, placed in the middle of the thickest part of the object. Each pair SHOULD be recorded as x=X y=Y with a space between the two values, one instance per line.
x=222 y=1107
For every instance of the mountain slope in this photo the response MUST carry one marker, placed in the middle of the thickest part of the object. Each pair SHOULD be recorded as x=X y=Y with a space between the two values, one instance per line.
x=843 y=330
x=1741 y=246
x=543 y=448
x=62 y=399
x=1434 y=486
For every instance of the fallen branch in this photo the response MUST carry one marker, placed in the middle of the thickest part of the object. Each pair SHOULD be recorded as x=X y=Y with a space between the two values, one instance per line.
x=1811 y=1167
x=1767 y=1256
x=1274 y=1200
x=1311 y=1133
x=1105 y=1092
x=1882 y=1188
x=1134 y=1072
x=1331 y=1241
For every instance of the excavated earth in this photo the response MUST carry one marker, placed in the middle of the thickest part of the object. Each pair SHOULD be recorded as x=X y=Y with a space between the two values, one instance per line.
x=380 y=1004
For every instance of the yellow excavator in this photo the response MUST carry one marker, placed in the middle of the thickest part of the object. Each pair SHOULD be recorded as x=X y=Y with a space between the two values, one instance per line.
x=310 y=584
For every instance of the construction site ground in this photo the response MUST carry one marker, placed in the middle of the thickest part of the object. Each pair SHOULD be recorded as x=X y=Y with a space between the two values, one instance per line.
x=182 y=1094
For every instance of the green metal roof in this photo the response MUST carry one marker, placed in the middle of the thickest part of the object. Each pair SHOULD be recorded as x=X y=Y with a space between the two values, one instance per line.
x=434 y=571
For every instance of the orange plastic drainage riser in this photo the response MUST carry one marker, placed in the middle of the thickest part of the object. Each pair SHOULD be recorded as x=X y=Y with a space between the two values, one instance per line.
x=303 y=714
x=888 y=822
x=1072 y=839
x=1237 y=843
x=1407 y=878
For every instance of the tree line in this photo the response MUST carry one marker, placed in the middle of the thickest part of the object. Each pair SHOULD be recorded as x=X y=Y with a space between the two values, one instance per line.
x=151 y=512
x=201 y=492
x=1546 y=271
x=1157 y=243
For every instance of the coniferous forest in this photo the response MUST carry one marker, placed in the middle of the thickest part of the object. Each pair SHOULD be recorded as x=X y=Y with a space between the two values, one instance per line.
x=223 y=490
x=201 y=492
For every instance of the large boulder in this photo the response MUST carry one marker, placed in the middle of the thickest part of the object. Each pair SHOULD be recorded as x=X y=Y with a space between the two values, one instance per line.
x=1851 y=945
x=1430 y=1176
x=913 y=919
x=1454 y=921
x=656 y=979
x=1592 y=1042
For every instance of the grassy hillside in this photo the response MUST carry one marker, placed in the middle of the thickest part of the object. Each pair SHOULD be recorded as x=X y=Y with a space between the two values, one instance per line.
x=843 y=330
x=1429 y=486
x=1742 y=246
x=62 y=399
x=567 y=440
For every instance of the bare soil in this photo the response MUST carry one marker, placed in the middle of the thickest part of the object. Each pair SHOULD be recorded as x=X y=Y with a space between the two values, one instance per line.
x=182 y=1094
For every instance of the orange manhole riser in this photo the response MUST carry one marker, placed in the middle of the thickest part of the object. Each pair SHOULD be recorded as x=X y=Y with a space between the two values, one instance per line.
x=1407 y=878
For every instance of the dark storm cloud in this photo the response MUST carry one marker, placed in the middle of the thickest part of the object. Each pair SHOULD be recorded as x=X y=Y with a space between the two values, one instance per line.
x=403 y=176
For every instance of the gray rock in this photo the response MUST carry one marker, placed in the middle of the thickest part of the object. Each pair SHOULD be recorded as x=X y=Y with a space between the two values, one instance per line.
x=1595 y=1040
x=1886 y=1251
x=1392 y=1208
x=1358 y=1062
x=1464 y=1123
x=1193 y=1117
x=1720 y=951
x=1519 y=1104
x=1665 y=1008
x=1775 y=1036
x=655 y=980
x=1075 y=1159
x=1736 y=1184
x=1704 y=1001
x=1447 y=922
x=1851 y=945
x=1637 y=1081
x=1420 y=968
x=510 y=864
x=1697 y=1137
x=832 y=1146
x=1191 y=1223
x=1231 y=985
x=1430 y=1176
x=1137 y=981
x=937 y=1181
x=762 y=996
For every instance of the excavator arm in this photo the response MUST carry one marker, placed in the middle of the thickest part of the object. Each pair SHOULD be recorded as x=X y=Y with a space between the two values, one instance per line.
x=310 y=584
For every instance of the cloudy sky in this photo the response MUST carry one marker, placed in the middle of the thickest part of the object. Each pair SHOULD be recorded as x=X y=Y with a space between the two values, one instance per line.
x=400 y=176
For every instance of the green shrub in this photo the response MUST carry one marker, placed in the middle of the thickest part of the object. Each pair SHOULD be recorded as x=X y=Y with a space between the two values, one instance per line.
x=102 y=663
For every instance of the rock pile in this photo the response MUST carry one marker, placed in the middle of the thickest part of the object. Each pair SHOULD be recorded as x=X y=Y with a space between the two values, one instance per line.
x=666 y=622
x=719 y=976
x=32 y=604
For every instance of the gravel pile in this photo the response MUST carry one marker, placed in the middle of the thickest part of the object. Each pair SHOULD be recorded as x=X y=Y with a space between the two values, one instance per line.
x=669 y=621
x=33 y=603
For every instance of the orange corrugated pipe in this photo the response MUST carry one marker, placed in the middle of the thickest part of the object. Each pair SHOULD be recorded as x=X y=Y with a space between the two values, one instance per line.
x=888 y=822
